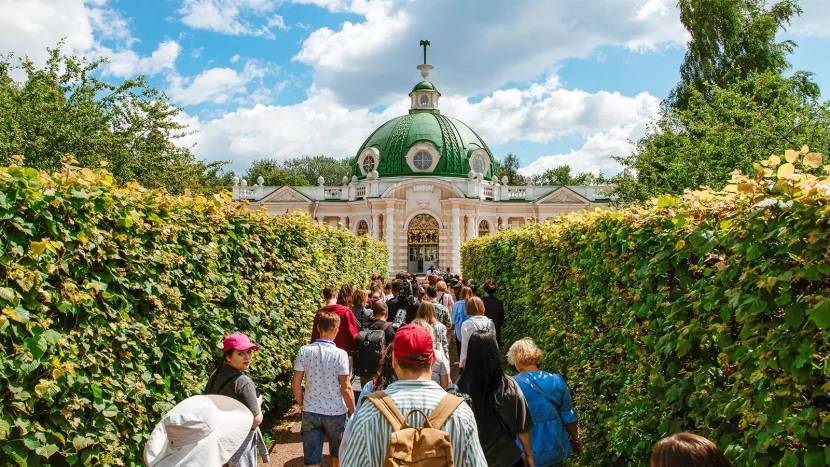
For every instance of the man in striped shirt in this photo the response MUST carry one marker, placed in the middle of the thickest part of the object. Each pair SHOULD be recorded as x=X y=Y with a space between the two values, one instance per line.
x=412 y=360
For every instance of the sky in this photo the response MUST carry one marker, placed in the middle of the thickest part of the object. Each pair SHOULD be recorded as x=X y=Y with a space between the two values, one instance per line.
x=553 y=81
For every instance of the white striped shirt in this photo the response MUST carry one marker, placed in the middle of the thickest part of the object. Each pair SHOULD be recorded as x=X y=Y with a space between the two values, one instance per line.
x=371 y=431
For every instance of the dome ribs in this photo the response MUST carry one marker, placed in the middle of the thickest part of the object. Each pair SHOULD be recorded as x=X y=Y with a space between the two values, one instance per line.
x=397 y=141
x=452 y=145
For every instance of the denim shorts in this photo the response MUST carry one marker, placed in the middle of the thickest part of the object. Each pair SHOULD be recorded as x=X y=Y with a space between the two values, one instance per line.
x=315 y=428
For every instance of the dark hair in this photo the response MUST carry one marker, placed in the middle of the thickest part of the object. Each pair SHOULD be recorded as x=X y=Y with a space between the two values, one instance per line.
x=221 y=360
x=328 y=321
x=359 y=298
x=432 y=279
x=432 y=291
x=329 y=292
x=421 y=291
x=688 y=450
x=385 y=374
x=345 y=296
x=387 y=286
x=397 y=285
x=375 y=276
x=483 y=376
x=379 y=309
x=489 y=286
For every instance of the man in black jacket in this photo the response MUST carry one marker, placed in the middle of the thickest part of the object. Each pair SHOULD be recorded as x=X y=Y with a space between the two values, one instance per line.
x=493 y=307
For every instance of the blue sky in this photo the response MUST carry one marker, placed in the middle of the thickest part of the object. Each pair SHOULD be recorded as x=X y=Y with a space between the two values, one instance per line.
x=551 y=81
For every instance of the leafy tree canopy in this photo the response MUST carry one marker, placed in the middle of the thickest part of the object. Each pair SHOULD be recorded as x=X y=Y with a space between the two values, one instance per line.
x=510 y=167
x=273 y=173
x=64 y=108
x=299 y=171
x=561 y=176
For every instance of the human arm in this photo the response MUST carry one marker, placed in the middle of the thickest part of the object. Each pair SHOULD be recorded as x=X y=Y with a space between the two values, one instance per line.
x=445 y=381
x=315 y=331
x=347 y=393
x=573 y=436
x=466 y=329
x=524 y=438
x=297 y=387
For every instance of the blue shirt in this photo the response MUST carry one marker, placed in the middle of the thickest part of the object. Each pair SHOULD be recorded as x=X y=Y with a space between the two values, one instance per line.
x=548 y=435
x=459 y=315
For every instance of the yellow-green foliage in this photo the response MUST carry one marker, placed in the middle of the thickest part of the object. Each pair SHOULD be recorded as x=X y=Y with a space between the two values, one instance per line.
x=115 y=301
x=707 y=313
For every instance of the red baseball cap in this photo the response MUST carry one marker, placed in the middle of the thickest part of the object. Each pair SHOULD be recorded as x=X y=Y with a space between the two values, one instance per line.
x=239 y=341
x=413 y=345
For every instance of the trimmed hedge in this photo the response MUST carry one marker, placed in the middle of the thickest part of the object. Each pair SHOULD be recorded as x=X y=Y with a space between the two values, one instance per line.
x=115 y=301
x=708 y=313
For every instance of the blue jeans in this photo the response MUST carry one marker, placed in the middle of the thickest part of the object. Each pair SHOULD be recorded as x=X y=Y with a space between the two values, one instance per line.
x=315 y=428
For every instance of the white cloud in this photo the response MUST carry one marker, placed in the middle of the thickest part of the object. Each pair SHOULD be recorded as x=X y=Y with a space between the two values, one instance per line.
x=476 y=47
x=815 y=21
x=234 y=17
x=127 y=63
x=277 y=21
x=219 y=85
x=235 y=58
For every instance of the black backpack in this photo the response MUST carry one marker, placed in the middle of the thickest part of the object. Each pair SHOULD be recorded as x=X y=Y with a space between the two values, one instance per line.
x=368 y=349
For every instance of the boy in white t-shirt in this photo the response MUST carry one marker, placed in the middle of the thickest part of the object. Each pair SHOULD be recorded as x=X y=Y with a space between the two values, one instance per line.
x=328 y=397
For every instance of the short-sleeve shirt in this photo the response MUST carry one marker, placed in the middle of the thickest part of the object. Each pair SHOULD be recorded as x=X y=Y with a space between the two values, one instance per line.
x=230 y=382
x=498 y=444
x=548 y=435
x=323 y=364
x=442 y=313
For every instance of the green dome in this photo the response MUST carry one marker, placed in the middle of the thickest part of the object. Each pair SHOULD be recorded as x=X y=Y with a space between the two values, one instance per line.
x=454 y=141
x=425 y=86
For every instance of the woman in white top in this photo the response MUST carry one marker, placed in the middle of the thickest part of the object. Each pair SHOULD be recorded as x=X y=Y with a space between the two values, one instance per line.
x=427 y=313
x=441 y=369
x=476 y=322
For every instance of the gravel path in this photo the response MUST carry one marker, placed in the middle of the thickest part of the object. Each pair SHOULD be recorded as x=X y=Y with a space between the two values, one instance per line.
x=287 y=447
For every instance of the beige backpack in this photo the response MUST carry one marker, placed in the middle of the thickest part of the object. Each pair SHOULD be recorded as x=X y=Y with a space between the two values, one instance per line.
x=425 y=446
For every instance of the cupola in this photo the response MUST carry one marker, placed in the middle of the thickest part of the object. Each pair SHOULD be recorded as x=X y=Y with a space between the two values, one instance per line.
x=424 y=96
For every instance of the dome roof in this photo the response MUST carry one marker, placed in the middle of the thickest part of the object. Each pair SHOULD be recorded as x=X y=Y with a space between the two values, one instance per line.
x=425 y=86
x=454 y=142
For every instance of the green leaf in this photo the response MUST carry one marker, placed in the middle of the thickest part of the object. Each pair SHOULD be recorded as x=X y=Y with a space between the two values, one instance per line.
x=37 y=345
x=5 y=429
x=814 y=458
x=7 y=294
x=47 y=450
x=110 y=411
x=795 y=315
x=820 y=314
x=18 y=313
x=38 y=247
x=14 y=451
x=666 y=201
x=80 y=442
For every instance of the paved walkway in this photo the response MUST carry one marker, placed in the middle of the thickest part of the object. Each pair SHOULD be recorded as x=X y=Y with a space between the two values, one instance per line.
x=287 y=447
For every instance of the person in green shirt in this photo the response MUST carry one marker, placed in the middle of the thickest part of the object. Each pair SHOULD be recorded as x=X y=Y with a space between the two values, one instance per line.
x=441 y=312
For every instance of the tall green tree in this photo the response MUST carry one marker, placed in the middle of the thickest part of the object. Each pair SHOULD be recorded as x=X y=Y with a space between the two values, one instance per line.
x=310 y=167
x=561 y=176
x=274 y=174
x=731 y=40
x=510 y=167
x=64 y=108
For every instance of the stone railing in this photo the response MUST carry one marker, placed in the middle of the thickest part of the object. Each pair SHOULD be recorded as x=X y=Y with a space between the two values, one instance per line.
x=361 y=191
x=488 y=192
x=334 y=193
x=517 y=193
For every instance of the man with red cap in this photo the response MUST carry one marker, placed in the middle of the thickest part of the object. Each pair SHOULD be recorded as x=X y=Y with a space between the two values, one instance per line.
x=412 y=359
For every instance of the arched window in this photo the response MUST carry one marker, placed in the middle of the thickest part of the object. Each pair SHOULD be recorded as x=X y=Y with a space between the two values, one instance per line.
x=422 y=160
x=368 y=164
x=478 y=164
x=483 y=228
x=424 y=100
x=362 y=229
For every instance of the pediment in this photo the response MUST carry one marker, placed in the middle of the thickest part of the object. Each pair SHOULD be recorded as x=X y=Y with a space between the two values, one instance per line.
x=564 y=195
x=285 y=194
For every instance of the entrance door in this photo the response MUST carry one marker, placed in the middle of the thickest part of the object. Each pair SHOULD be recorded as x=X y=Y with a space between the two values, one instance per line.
x=422 y=234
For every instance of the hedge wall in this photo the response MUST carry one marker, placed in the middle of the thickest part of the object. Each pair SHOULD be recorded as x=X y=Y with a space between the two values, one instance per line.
x=708 y=313
x=115 y=301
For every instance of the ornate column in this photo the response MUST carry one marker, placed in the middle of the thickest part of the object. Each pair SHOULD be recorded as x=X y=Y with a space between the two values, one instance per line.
x=389 y=228
x=472 y=228
x=376 y=226
x=456 y=241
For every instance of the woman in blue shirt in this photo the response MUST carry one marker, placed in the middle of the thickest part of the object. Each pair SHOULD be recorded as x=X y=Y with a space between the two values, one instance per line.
x=555 y=434
x=459 y=315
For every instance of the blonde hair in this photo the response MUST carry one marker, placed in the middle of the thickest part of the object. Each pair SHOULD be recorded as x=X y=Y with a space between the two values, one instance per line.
x=524 y=352
x=441 y=286
x=475 y=307
x=466 y=293
x=359 y=298
x=426 y=312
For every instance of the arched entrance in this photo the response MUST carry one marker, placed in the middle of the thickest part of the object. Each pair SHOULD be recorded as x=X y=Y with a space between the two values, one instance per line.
x=422 y=235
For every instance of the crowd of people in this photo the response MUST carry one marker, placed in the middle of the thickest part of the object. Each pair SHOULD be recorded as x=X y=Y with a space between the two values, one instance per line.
x=376 y=381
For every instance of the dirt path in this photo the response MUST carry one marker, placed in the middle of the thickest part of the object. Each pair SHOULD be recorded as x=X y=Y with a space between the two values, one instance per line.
x=287 y=447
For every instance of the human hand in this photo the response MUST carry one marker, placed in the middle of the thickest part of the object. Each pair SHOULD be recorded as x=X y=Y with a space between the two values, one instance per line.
x=259 y=399
x=529 y=461
x=576 y=445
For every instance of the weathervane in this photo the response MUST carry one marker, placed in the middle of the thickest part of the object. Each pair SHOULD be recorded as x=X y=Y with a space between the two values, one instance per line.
x=425 y=68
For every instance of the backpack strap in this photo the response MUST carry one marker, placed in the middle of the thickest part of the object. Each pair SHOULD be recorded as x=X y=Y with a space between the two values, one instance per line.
x=444 y=410
x=386 y=406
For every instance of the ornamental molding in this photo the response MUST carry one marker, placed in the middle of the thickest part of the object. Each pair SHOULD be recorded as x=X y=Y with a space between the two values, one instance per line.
x=564 y=195
x=286 y=194
x=423 y=194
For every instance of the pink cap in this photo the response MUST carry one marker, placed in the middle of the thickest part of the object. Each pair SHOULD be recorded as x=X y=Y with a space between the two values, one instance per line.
x=239 y=341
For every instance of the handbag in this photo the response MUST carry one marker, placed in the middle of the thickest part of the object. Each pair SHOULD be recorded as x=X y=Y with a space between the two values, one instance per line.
x=576 y=446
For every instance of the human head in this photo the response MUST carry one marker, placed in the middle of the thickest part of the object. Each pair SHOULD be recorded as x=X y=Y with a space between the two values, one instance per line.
x=524 y=352
x=687 y=449
x=238 y=351
x=386 y=373
x=489 y=286
x=441 y=286
x=475 y=307
x=432 y=279
x=421 y=292
x=420 y=322
x=465 y=293
x=330 y=293
x=483 y=371
x=426 y=312
x=414 y=353
x=397 y=285
x=375 y=276
x=380 y=310
x=359 y=298
x=328 y=323
x=432 y=292
x=387 y=288
x=345 y=296
x=376 y=289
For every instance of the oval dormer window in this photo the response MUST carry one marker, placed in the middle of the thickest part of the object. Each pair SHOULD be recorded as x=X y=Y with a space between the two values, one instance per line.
x=422 y=160
x=424 y=101
x=368 y=164
x=478 y=164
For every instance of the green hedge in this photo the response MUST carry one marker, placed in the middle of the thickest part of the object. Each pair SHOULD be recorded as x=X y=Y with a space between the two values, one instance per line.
x=115 y=301
x=707 y=313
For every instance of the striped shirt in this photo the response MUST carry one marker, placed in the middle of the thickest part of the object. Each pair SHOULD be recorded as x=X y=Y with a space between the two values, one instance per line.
x=371 y=431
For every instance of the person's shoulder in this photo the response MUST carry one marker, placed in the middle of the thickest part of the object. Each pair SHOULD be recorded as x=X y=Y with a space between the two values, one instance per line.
x=243 y=381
